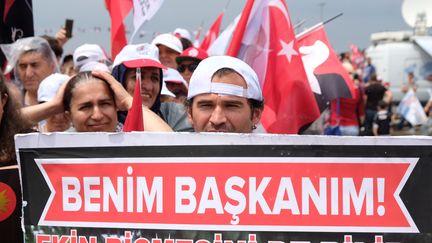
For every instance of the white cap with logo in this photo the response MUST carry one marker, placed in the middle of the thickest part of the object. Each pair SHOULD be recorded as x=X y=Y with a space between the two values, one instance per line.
x=200 y=82
x=140 y=55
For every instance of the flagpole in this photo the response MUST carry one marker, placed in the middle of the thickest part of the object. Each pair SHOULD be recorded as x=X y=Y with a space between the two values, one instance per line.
x=318 y=25
x=299 y=24
x=226 y=5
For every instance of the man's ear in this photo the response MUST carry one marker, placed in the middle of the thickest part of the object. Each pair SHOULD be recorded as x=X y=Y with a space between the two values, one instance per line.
x=189 y=114
x=256 y=115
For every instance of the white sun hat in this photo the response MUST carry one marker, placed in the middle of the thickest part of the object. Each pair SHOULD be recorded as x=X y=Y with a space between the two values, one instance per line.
x=173 y=76
x=165 y=90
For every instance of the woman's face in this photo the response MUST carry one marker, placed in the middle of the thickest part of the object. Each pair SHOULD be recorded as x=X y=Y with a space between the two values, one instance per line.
x=92 y=107
x=150 y=84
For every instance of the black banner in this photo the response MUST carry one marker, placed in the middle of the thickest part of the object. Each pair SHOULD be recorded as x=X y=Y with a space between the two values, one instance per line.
x=405 y=165
x=16 y=22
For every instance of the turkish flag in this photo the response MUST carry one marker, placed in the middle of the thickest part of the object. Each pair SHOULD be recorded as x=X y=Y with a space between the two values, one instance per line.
x=326 y=75
x=118 y=10
x=134 y=119
x=269 y=46
x=212 y=33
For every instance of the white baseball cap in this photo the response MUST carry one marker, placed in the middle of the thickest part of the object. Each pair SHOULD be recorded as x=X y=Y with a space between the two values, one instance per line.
x=165 y=90
x=49 y=86
x=139 y=55
x=88 y=53
x=173 y=76
x=200 y=82
x=184 y=33
x=90 y=66
x=169 y=40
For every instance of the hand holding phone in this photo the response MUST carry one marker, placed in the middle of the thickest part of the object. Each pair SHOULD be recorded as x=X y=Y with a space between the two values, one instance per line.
x=68 y=27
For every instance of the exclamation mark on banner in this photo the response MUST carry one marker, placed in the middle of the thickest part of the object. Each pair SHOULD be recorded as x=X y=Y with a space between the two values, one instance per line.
x=379 y=239
x=381 y=193
x=347 y=239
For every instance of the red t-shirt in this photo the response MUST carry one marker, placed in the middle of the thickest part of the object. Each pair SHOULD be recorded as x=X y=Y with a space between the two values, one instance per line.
x=350 y=110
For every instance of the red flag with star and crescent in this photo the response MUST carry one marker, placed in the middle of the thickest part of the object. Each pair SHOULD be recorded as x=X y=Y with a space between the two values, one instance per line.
x=268 y=44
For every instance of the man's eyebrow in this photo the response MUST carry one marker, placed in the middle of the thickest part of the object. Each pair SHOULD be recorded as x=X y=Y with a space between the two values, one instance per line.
x=204 y=101
x=233 y=102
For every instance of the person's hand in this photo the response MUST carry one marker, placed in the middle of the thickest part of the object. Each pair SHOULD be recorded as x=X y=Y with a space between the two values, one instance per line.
x=61 y=37
x=57 y=101
x=122 y=98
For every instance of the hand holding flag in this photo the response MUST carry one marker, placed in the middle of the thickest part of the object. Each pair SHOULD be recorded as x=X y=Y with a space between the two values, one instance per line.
x=134 y=120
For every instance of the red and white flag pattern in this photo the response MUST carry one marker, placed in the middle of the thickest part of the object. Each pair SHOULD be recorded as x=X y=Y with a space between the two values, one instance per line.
x=118 y=10
x=212 y=33
x=268 y=44
x=134 y=120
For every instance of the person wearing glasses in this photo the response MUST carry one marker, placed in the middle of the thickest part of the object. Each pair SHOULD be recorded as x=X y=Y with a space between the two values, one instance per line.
x=188 y=61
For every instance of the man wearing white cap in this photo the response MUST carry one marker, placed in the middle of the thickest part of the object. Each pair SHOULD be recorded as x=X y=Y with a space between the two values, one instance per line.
x=144 y=58
x=88 y=53
x=170 y=47
x=176 y=84
x=224 y=96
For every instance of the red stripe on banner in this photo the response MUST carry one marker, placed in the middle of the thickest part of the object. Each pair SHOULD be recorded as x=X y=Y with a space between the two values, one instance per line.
x=240 y=194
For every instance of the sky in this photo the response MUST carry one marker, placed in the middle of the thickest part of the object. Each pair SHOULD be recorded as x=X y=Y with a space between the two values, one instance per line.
x=91 y=19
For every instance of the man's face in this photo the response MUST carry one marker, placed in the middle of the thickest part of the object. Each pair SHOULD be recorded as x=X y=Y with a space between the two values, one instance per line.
x=185 y=68
x=223 y=113
x=150 y=84
x=179 y=90
x=167 y=56
x=32 y=68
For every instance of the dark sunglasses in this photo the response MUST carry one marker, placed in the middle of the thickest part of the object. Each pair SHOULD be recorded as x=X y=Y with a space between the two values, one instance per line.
x=191 y=67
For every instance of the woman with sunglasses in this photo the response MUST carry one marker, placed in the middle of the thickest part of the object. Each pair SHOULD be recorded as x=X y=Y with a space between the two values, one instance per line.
x=188 y=61
x=141 y=62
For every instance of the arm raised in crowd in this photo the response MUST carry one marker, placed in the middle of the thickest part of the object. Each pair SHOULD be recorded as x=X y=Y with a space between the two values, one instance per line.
x=35 y=113
x=152 y=122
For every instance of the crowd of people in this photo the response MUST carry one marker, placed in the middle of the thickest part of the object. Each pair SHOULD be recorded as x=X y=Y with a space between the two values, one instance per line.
x=182 y=90
x=369 y=112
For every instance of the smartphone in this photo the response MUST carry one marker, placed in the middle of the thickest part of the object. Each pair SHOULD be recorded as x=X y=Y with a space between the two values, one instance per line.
x=68 y=27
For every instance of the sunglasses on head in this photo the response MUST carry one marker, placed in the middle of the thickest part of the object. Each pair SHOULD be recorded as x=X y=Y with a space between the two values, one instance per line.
x=191 y=67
